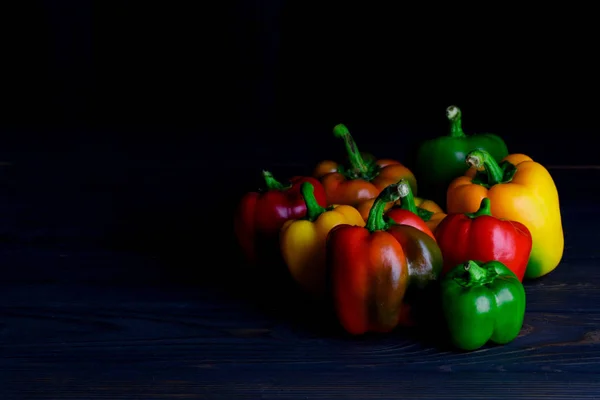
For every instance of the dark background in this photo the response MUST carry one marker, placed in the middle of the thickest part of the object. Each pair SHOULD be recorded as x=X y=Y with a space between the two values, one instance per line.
x=277 y=75
x=134 y=125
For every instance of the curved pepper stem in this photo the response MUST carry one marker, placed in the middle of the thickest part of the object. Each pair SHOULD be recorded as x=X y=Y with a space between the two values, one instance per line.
x=271 y=182
x=454 y=115
x=481 y=158
x=474 y=273
x=313 y=208
x=484 y=209
x=407 y=199
x=356 y=160
x=376 y=220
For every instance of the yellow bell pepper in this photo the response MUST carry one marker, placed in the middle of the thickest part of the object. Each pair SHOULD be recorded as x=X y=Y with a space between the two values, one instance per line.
x=520 y=189
x=432 y=218
x=303 y=241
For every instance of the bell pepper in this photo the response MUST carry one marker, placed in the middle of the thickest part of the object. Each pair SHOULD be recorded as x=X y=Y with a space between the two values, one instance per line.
x=482 y=302
x=364 y=179
x=521 y=190
x=375 y=269
x=481 y=236
x=427 y=210
x=260 y=215
x=440 y=160
x=303 y=241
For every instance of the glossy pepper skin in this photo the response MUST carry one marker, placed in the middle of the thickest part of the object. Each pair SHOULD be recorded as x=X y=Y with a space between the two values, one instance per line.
x=440 y=160
x=482 y=302
x=303 y=241
x=481 y=236
x=372 y=269
x=363 y=179
x=521 y=190
x=260 y=215
x=426 y=210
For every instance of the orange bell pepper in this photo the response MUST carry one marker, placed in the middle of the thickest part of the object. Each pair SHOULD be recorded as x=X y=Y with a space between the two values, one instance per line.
x=363 y=179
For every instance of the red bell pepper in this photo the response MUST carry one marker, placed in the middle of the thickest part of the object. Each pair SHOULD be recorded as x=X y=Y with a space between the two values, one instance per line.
x=408 y=213
x=260 y=215
x=373 y=270
x=483 y=237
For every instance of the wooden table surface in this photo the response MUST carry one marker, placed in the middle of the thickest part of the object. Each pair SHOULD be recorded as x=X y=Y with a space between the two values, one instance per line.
x=130 y=289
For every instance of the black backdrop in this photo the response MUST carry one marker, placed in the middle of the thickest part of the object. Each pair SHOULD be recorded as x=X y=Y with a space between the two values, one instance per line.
x=123 y=119
x=282 y=73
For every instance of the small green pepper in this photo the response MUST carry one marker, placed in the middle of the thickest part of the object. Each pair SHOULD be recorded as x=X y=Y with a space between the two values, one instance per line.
x=482 y=302
x=440 y=160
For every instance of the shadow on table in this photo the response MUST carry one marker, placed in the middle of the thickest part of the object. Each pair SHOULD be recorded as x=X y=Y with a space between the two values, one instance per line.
x=272 y=292
x=209 y=260
x=194 y=244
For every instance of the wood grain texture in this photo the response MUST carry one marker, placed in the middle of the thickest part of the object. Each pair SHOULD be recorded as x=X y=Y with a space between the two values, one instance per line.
x=89 y=315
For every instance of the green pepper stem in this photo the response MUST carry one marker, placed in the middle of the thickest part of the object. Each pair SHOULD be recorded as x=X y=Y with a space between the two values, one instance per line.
x=376 y=221
x=313 y=208
x=455 y=117
x=484 y=209
x=356 y=160
x=481 y=158
x=271 y=182
x=407 y=199
x=474 y=272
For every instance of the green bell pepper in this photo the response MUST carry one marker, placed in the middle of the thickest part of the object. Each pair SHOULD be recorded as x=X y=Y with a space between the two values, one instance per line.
x=482 y=302
x=440 y=160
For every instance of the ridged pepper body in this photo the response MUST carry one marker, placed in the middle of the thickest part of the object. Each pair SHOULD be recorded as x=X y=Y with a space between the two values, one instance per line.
x=373 y=268
x=482 y=302
x=483 y=237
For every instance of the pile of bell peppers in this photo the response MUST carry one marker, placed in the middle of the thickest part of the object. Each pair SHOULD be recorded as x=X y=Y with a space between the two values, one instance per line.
x=354 y=235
